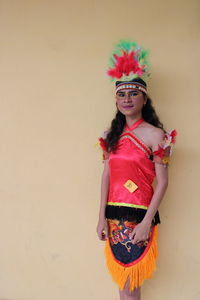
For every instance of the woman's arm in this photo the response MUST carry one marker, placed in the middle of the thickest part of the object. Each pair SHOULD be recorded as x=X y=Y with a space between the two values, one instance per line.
x=160 y=189
x=141 y=231
x=102 y=228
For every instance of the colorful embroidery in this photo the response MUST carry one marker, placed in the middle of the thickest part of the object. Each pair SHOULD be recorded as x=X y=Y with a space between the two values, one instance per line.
x=124 y=265
x=121 y=244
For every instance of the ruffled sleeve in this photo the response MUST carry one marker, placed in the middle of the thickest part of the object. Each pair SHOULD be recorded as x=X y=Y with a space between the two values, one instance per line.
x=103 y=145
x=164 y=151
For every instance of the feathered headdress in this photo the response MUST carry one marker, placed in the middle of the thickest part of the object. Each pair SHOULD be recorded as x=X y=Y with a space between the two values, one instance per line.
x=128 y=61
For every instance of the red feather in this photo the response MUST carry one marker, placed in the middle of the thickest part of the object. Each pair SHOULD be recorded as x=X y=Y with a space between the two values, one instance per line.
x=125 y=64
x=173 y=134
x=102 y=144
x=159 y=152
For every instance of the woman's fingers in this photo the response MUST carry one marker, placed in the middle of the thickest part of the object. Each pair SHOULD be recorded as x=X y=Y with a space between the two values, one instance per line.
x=100 y=234
x=103 y=234
x=106 y=232
x=131 y=235
x=139 y=234
x=102 y=230
x=135 y=240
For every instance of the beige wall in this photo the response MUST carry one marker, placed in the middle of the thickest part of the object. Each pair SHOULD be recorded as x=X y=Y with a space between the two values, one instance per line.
x=55 y=100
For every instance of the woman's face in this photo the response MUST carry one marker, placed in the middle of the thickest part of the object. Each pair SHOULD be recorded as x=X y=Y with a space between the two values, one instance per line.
x=130 y=101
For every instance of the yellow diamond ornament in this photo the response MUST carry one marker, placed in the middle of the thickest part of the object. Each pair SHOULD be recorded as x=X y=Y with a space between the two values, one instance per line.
x=130 y=185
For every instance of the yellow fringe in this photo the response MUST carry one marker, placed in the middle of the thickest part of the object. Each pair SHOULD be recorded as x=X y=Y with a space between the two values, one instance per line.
x=138 y=272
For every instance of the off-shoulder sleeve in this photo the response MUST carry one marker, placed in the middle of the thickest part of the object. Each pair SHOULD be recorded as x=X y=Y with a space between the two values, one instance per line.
x=164 y=151
x=103 y=145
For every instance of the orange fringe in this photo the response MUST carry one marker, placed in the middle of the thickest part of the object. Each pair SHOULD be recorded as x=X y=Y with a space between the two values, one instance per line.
x=139 y=271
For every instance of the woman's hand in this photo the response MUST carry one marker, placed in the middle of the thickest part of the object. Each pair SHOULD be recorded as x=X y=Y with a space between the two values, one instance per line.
x=102 y=229
x=140 y=232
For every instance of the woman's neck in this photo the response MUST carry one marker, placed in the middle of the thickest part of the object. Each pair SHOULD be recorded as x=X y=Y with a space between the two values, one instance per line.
x=130 y=120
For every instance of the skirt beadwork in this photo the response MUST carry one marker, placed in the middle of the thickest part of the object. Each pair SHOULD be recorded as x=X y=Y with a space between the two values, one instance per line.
x=126 y=260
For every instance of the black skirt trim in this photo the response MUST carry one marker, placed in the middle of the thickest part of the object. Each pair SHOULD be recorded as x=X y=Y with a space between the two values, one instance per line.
x=129 y=213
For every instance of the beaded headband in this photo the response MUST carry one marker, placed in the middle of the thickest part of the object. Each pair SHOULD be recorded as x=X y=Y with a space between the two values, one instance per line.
x=131 y=85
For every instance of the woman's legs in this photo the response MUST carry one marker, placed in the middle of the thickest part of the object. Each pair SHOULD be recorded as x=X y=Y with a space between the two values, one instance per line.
x=125 y=294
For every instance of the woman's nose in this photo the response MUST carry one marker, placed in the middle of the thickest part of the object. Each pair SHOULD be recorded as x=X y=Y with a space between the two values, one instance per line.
x=127 y=98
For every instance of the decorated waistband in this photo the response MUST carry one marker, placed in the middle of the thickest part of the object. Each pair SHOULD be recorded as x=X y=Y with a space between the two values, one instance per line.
x=131 y=85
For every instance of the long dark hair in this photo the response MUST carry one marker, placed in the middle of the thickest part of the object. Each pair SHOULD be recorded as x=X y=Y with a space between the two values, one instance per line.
x=118 y=123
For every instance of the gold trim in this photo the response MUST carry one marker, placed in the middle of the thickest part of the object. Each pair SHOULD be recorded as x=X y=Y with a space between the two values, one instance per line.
x=136 y=143
x=127 y=204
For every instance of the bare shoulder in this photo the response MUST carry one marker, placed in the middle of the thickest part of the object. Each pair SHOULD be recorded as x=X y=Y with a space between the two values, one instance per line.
x=155 y=134
x=153 y=129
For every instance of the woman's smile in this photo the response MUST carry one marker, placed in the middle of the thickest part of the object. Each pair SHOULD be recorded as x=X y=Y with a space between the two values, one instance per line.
x=127 y=106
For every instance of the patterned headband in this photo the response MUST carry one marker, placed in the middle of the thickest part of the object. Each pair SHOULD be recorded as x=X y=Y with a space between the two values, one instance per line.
x=131 y=85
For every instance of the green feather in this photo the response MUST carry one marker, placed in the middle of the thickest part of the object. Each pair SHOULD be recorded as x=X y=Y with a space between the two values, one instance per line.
x=124 y=45
x=111 y=62
x=141 y=57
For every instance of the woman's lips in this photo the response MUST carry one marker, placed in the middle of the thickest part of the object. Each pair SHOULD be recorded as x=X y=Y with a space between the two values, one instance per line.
x=128 y=106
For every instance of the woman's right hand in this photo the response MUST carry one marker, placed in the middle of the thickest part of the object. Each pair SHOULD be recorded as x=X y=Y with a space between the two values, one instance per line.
x=102 y=229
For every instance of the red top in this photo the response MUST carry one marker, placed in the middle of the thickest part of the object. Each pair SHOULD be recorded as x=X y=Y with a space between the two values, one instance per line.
x=131 y=169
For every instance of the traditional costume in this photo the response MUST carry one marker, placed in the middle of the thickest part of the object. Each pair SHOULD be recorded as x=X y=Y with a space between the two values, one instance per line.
x=131 y=174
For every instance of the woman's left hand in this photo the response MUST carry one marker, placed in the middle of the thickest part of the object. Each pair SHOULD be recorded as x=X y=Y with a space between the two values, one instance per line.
x=140 y=232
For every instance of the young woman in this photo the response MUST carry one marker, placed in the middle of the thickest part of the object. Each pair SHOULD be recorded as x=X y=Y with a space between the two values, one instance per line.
x=136 y=150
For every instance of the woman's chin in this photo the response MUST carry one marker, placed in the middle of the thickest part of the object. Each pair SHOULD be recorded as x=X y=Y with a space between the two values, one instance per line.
x=128 y=112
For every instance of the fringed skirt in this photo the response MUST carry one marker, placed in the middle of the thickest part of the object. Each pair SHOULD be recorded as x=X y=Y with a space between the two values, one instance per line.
x=126 y=260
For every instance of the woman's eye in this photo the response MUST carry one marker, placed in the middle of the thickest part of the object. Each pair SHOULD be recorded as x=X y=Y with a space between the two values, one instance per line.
x=134 y=94
x=121 y=95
